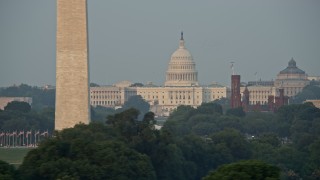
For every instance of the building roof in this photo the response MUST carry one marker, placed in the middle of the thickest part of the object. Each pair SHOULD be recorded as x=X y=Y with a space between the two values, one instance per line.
x=292 y=68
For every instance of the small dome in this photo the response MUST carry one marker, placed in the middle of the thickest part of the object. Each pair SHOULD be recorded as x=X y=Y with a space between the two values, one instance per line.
x=292 y=68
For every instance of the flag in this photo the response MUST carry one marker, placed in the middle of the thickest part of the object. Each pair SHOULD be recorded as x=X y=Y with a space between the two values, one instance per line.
x=21 y=133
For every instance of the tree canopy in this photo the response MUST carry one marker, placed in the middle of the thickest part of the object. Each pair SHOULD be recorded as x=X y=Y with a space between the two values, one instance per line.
x=245 y=170
x=18 y=106
x=86 y=152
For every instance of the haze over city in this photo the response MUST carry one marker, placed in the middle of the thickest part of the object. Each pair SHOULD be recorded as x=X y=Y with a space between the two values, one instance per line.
x=134 y=40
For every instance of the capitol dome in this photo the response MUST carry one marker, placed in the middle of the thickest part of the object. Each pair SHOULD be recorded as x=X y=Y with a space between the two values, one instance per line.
x=182 y=69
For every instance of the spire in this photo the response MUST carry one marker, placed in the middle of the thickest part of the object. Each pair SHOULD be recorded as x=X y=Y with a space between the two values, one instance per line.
x=181 y=43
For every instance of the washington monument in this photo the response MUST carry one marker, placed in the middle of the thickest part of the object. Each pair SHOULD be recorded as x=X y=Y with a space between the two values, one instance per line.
x=72 y=66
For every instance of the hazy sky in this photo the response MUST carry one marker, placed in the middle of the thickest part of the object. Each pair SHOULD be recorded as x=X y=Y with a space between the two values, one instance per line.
x=133 y=40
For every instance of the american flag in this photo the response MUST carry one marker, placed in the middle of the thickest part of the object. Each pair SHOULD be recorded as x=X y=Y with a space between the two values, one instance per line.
x=21 y=133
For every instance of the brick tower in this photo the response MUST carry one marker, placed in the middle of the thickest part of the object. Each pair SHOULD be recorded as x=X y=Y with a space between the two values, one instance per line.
x=235 y=91
x=72 y=66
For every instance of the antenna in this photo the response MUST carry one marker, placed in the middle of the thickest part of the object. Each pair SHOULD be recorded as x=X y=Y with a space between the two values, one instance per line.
x=232 y=68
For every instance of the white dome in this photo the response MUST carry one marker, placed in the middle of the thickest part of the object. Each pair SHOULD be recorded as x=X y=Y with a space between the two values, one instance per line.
x=181 y=54
x=181 y=70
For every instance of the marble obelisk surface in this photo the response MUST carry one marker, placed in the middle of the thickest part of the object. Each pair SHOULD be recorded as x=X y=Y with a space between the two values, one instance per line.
x=72 y=65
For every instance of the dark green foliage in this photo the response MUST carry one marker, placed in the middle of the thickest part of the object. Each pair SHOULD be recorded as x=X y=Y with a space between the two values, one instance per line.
x=7 y=171
x=138 y=103
x=137 y=85
x=94 y=85
x=18 y=106
x=191 y=143
x=99 y=113
x=245 y=170
x=236 y=112
x=16 y=120
x=224 y=102
x=234 y=142
x=209 y=108
x=86 y=152
x=308 y=92
x=41 y=98
x=287 y=139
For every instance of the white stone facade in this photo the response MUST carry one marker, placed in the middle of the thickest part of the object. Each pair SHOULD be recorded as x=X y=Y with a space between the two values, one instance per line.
x=166 y=98
x=181 y=88
x=260 y=94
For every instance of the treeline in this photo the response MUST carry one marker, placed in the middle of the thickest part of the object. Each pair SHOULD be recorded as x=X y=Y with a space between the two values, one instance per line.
x=18 y=116
x=289 y=139
x=41 y=98
x=192 y=143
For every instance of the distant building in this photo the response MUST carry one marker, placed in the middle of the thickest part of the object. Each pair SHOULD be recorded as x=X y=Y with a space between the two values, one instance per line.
x=259 y=94
x=5 y=100
x=292 y=79
x=180 y=88
x=314 y=78
x=111 y=96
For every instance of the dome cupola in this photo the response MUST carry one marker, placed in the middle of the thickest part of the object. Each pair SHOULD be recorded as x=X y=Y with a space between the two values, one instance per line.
x=292 y=68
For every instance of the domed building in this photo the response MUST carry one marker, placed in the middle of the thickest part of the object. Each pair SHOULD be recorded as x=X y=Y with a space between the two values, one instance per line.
x=182 y=68
x=180 y=88
x=291 y=79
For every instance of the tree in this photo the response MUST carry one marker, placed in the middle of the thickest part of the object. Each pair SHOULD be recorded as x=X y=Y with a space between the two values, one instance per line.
x=136 y=85
x=138 y=103
x=41 y=97
x=209 y=108
x=236 y=112
x=245 y=170
x=18 y=106
x=7 y=171
x=125 y=123
x=224 y=102
x=86 y=152
x=234 y=141
x=308 y=92
x=94 y=85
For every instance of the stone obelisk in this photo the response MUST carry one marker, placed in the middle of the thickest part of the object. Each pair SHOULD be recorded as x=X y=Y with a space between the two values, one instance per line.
x=72 y=65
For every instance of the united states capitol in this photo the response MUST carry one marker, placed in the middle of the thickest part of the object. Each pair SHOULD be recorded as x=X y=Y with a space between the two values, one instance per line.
x=182 y=87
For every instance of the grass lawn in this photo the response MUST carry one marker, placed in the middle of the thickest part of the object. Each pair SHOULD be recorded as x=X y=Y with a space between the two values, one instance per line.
x=13 y=156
